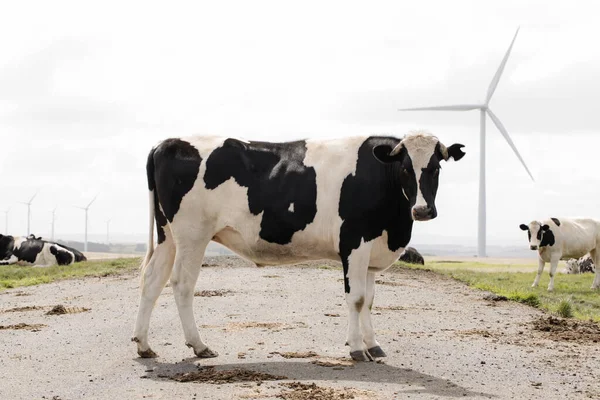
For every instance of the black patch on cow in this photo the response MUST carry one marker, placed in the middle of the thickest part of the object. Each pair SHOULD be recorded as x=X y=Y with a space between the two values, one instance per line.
x=172 y=170
x=372 y=201
x=6 y=246
x=556 y=221
x=276 y=178
x=429 y=179
x=28 y=250
x=62 y=257
x=547 y=239
x=78 y=255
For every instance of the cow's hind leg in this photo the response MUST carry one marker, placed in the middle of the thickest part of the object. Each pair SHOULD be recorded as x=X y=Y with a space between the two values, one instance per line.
x=355 y=276
x=365 y=320
x=183 y=280
x=596 y=258
x=153 y=279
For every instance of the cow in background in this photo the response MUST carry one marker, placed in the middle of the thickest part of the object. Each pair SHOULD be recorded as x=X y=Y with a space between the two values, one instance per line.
x=32 y=250
x=562 y=239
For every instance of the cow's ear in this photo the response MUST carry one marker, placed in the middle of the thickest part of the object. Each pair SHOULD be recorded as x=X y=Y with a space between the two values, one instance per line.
x=545 y=227
x=386 y=154
x=524 y=227
x=455 y=151
x=556 y=221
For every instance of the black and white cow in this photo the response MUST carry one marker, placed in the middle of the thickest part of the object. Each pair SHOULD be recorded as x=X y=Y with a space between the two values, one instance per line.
x=35 y=251
x=561 y=239
x=352 y=200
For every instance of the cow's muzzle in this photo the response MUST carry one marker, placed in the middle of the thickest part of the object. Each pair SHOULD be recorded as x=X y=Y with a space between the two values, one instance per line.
x=423 y=213
x=532 y=247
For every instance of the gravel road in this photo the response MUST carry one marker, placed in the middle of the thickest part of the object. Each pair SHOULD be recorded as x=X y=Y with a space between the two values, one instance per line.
x=279 y=330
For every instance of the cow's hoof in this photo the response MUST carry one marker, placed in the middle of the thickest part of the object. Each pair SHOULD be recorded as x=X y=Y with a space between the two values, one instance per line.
x=360 y=355
x=376 y=352
x=147 y=354
x=206 y=353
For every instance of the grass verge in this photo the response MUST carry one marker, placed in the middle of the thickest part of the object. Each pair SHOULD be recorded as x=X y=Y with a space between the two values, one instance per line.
x=12 y=276
x=572 y=294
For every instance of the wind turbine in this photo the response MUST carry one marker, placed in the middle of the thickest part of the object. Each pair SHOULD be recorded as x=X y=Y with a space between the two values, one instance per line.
x=6 y=220
x=85 y=243
x=29 y=212
x=53 y=218
x=483 y=110
x=107 y=231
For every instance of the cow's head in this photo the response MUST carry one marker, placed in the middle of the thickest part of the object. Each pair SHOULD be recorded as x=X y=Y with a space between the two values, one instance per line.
x=540 y=234
x=417 y=164
x=6 y=246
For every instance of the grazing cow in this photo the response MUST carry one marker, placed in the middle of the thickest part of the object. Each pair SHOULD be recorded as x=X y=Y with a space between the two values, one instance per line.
x=31 y=250
x=412 y=256
x=352 y=200
x=561 y=239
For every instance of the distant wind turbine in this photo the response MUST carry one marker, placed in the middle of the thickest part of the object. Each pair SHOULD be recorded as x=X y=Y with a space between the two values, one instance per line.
x=53 y=219
x=107 y=231
x=29 y=212
x=85 y=243
x=6 y=220
x=483 y=109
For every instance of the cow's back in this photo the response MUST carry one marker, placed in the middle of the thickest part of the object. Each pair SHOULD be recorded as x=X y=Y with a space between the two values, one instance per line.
x=577 y=236
x=273 y=203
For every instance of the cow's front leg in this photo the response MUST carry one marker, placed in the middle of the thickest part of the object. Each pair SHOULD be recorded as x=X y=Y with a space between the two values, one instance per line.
x=368 y=332
x=541 y=264
x=355 y=277
x=553 y=265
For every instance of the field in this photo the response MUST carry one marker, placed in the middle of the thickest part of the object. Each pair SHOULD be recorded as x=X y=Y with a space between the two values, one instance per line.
x=12 y=276
x=572 y=295
x=280 y=334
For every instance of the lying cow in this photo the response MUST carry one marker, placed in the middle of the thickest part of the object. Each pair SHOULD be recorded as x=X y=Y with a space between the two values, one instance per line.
x=561 y=239
x=35 y=251
x=580 y=265
x=352 y=200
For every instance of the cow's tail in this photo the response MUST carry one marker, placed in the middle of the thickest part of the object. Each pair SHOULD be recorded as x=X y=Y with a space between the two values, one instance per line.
x=152 y=204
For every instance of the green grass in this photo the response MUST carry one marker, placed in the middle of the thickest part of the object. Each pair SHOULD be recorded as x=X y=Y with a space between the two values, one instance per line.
x=571 y=296
x=12 y=276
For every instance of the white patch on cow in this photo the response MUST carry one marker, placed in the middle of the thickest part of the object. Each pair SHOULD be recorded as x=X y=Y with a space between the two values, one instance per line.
x=420 y=147
x=381 y=255
x=291 y=207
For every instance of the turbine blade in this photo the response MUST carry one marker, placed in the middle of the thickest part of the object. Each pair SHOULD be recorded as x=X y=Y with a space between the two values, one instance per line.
x=504 y=133
x=458 y=107
x=94 y=199
x=496 y=79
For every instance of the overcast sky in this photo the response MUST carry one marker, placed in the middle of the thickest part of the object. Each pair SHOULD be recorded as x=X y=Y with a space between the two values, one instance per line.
x=86 y=91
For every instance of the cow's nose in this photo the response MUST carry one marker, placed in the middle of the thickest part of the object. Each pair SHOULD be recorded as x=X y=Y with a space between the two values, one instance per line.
x=423 y=213
x=533 y=247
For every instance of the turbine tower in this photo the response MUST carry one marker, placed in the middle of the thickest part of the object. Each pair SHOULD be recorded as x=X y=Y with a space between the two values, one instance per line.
x=29 y=212
x=6 y=220
x=85 y=243
x=483 y=110
x=53 y=218
x=107 y=231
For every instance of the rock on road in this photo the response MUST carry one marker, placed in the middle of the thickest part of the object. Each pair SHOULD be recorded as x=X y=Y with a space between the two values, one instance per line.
x=442 y=339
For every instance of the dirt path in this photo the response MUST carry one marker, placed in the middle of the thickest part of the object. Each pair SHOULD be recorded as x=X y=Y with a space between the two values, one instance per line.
x=442 y=339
